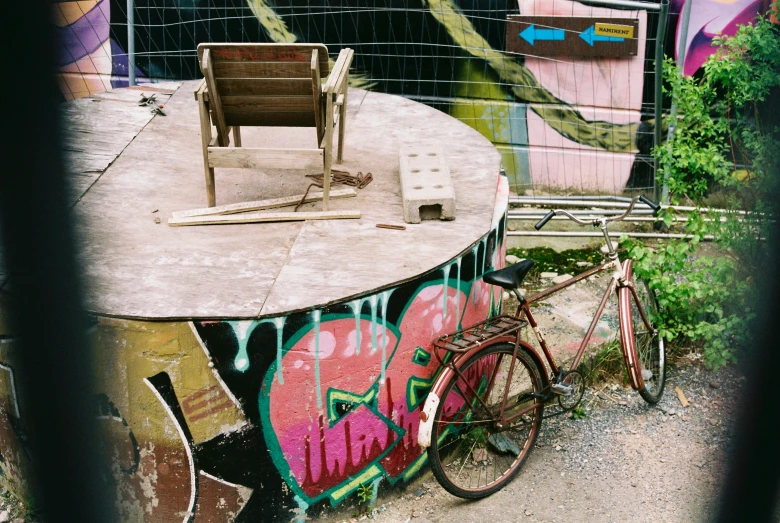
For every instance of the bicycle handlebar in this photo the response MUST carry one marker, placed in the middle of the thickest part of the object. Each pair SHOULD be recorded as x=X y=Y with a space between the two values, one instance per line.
x=541 y=223
x=595 y=221
x=650 y=203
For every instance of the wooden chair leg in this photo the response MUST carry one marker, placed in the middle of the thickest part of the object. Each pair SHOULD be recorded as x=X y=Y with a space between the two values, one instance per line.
x=342 y=128
x=205 y=136
x=327 y=153
x=236 y=136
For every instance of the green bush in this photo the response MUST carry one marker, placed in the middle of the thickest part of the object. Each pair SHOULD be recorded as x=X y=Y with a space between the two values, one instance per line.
x=723 y=153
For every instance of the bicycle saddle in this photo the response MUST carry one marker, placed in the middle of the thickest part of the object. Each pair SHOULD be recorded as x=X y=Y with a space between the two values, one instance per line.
x=509 y=277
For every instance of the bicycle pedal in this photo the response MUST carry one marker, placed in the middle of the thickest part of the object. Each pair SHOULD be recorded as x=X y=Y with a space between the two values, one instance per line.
x=562 y=390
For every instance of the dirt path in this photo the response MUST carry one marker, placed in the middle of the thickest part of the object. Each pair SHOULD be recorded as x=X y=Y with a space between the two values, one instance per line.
x=625 y=461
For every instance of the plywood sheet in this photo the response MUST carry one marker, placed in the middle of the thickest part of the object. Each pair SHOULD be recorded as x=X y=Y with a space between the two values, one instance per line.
x=137 y=268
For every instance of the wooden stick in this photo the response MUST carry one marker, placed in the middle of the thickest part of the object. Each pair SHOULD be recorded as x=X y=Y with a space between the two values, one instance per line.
x=389 y=226
x=261 y=204
x=681 y=397
x=257 y=217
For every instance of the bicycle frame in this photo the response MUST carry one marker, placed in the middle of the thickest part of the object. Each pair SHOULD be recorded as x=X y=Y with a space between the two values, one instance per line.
x=512 y=334
x=617 y=281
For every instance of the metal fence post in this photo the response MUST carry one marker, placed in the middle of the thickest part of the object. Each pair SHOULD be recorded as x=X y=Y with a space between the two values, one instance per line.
x=659 y=93
x=684 y=22
x=130 y=42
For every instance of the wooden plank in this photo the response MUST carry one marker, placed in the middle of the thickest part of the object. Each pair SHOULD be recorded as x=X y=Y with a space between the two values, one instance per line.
x=282 y=52
x=254 y=158
x=264 y=218
x=201 y=88
x=262 y=70
x=215 y=105
x=264 y=86
x=269 y=103
x=246 y=117
x=205 y=136
x=262 y=204
x=316 y=84
x=572 y=36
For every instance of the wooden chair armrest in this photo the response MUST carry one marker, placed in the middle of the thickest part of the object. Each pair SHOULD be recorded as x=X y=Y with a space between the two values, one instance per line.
x=201 y=87
x=340 y=73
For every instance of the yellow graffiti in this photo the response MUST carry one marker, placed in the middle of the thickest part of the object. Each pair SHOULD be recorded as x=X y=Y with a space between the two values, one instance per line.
x=558 y=115
x=271 y=22
x=278 y=32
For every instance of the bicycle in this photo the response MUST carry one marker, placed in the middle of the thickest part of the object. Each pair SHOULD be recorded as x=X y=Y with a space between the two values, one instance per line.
x=484 y=411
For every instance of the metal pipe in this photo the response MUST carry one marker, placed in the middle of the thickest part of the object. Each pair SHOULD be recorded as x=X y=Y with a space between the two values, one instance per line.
x=621 y=205
x=130 y=43
x=626 y=3
x=517 y=199
x=617 y=234
x=601 y=212
x=576 y=203
x=659 y=94
x=628 y=219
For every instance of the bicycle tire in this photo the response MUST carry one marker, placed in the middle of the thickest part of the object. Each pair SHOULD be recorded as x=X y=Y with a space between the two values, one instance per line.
x=647 y=350
x=461 y=434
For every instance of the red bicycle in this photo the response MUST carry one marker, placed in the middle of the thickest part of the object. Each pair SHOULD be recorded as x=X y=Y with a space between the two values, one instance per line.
x=484 y=411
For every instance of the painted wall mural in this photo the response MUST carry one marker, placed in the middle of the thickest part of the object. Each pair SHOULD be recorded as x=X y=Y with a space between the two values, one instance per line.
x=708 y=19
x=273 y=418
x=578 y=125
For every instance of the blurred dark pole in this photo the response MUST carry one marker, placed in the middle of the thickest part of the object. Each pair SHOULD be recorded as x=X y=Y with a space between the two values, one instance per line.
x=51 y=357
x=750 y=492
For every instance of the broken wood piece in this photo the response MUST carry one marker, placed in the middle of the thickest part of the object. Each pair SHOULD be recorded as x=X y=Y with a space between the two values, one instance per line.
x=258 y=217
x=389 y=226
x=262 y=204
x=681 y=397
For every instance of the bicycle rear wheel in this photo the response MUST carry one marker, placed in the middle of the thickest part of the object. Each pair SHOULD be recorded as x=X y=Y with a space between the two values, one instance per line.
x=646 y=348
x=470 y=454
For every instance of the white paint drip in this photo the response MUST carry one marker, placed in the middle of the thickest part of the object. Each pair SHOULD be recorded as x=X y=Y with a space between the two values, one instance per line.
x=457 y=294
x=356 y=309
x=279 y=323
x=385 y=299
x=372 y=300
x=445 y=283
x=475 y=253
x=317 y=314
x=242 y=329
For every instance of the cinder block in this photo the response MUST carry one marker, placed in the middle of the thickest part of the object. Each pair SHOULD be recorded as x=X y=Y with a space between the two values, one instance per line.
x=425 y=182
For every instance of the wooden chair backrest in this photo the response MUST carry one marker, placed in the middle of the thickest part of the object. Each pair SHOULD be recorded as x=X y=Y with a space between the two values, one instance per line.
x=263 y=84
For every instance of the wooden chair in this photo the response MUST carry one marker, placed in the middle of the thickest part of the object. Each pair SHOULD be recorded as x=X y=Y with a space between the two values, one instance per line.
x=274 y=85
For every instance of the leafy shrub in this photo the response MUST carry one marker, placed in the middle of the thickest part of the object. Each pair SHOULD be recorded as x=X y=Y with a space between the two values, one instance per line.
x=724 y=152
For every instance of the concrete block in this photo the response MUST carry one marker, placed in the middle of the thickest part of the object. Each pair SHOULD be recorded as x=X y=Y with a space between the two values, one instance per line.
x=426 y=186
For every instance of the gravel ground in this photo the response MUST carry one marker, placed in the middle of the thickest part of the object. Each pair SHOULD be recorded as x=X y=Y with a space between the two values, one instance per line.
x=625 y=461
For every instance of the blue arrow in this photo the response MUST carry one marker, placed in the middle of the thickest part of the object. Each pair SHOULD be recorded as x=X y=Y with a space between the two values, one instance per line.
x=530 y=34
x=590 y=36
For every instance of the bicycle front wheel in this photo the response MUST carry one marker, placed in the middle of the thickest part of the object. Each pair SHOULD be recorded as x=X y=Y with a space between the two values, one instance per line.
x=472 y=454
x=645 y=345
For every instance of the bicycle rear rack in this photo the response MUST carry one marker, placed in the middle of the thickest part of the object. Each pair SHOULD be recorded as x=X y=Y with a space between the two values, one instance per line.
x=478 y=334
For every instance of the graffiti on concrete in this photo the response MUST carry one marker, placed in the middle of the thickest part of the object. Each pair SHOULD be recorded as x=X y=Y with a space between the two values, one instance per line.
x=337 y=391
